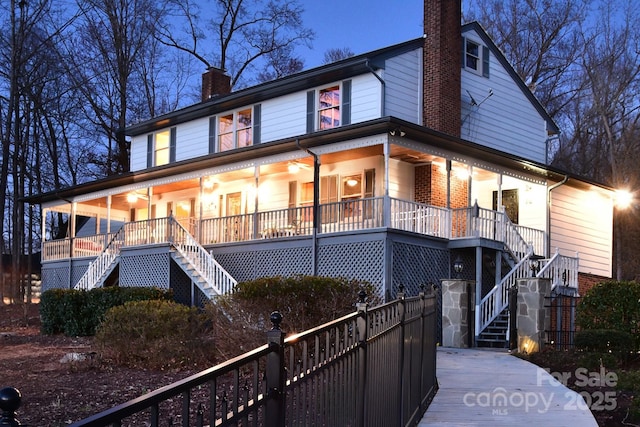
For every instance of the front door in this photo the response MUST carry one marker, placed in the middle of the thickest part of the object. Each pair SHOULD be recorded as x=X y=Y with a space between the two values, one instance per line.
x=510 y=203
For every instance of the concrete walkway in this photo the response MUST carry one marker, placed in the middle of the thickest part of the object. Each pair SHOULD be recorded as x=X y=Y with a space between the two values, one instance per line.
x=494 y=388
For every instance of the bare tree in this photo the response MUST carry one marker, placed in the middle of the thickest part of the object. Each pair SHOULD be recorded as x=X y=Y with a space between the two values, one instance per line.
x=540 y=39
x=280 y=63
x=114 y=37
x=27 y=47
x=243 y=34
x=336 y=54
x=608 y=126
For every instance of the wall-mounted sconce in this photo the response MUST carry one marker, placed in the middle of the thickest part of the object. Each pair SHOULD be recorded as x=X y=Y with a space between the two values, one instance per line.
x=209 y=183
x=458 y=266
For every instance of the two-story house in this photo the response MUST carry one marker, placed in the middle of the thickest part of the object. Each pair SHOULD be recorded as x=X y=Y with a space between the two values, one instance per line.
x=391 y=166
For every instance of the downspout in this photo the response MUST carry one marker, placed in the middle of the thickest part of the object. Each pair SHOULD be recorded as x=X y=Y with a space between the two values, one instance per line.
x=382 y=97
x=549 y=190
x=316 y=206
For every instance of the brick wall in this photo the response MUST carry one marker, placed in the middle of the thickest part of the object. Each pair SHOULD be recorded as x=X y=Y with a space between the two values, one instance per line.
x=431 y=187
x=588 y=281
x=442 y=62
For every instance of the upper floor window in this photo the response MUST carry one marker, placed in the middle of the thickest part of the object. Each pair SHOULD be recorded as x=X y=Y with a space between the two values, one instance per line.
x=161 y=147
x=235 y=130
x=329 y=107
x=476 y=57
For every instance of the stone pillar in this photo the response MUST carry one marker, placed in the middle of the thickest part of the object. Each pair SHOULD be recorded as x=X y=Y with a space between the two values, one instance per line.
x=532 y=316
x=458 y=313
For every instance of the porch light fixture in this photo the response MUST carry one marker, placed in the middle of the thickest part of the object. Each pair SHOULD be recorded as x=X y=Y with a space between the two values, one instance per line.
x=293 y=167
x=534 y=264
x=458 y=267
x=623 y=199
x=132 y=197
x=209 y=183
x=352 y=182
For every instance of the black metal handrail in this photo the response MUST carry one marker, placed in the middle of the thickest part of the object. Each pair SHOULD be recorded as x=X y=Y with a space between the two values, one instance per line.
x=330 y=375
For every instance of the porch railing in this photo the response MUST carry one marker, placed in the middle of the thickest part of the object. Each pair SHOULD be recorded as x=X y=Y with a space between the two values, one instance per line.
x=561 y=270
x=345 y=215
x=374 y=367
x=420 y=218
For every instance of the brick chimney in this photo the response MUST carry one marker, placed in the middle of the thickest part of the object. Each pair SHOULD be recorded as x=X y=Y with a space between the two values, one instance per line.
x=215 y=83
x=442 y=62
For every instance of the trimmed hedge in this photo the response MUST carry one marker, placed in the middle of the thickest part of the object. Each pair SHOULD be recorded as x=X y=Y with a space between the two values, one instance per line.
x=604 y=341
x=78 y=312
x=612 y=305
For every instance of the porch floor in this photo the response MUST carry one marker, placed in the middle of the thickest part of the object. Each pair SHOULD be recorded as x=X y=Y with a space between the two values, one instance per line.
x=493 y=387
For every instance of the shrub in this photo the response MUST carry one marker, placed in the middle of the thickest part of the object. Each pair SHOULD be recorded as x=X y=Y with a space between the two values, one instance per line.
x=78 y=312
x=612 y=305
x=604 y=341
x=155 y=334
x=304 y=302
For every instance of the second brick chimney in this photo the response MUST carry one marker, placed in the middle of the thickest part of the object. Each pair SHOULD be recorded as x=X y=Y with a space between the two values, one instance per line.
x=442 y=62
x=215 y=83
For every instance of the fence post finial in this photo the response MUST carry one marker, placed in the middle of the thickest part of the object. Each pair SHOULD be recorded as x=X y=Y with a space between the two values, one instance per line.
x=10 y=399
x=276 y=319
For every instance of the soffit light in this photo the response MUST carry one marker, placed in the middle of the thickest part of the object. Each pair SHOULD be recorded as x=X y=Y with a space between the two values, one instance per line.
x=293 y=167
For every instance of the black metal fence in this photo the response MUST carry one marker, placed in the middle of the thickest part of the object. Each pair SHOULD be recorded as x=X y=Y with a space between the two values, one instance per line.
x=374 y=367
x=562 y=312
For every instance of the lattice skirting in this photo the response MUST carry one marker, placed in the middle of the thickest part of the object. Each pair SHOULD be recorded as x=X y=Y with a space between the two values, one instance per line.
x=379 y=258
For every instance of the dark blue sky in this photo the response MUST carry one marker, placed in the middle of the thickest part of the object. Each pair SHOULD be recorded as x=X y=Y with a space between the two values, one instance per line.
x=361 y=25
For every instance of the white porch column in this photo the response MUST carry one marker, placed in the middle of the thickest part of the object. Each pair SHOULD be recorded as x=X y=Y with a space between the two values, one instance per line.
x=448 y=184
x=109 y=214
x=386 y=205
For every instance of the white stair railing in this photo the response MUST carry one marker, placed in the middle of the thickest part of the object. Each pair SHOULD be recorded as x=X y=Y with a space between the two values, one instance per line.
x=103 y=262
x=219 y=281
x=498 y=298
x=561 y=270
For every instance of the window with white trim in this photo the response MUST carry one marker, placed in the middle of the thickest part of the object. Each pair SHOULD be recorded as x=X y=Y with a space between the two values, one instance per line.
x=329 y=107
x=235 y=130
x=161 y=148
x=476 y=57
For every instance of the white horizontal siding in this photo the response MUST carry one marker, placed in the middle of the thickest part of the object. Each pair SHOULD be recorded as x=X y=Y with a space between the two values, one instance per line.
x=192 y=139
x=581 y=222
x=284 y=116
x=366 y=98
x=506 y=121
x=401 y=180
x=138 y=159
x=402 y=76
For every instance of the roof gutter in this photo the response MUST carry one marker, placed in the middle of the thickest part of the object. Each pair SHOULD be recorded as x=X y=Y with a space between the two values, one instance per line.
x=381 y=80
x=549 y=190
